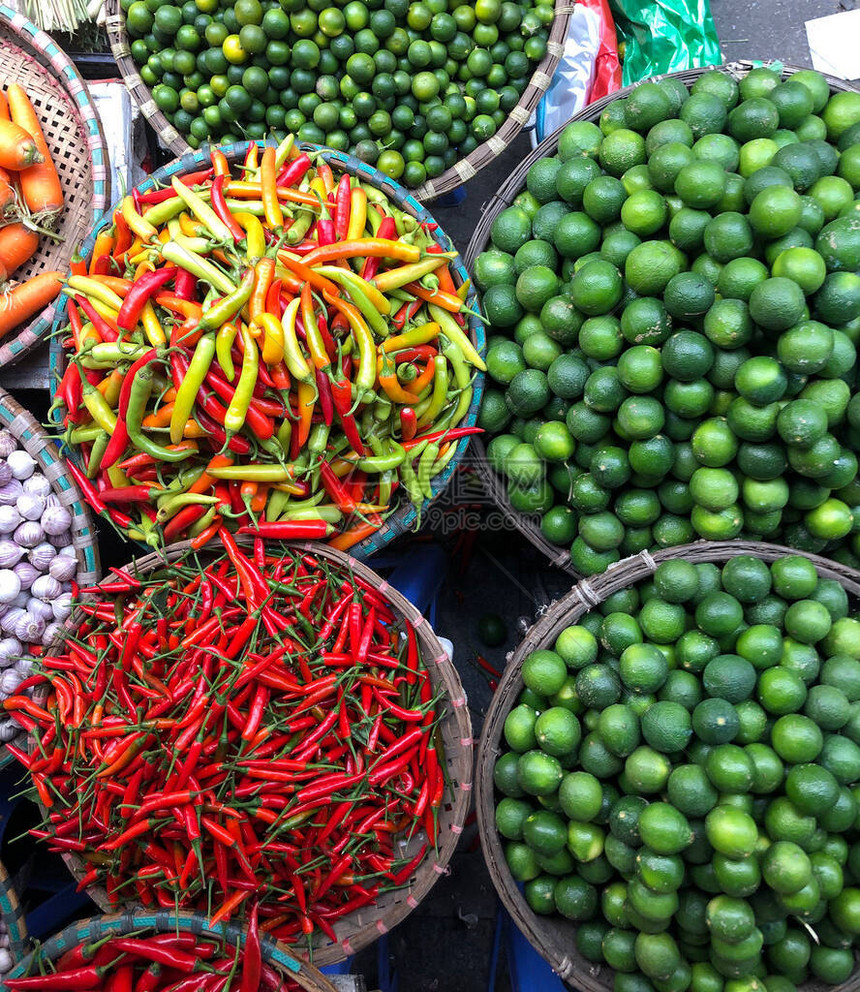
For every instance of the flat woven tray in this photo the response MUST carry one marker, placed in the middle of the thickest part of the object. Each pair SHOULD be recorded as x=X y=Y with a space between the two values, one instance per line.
x=164 y=921
x=73 y=132
x=368 y=923
x=494 y=485
x=405 y=517
x=450 y=179
x=24 y=426
x=12 y=916
x=553 y=936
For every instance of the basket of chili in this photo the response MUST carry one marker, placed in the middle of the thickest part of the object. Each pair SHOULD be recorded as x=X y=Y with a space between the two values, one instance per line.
x=160 y=951
x=24 y=427
x=12 y=917
x=349 y=430
x=73 y=134
x=306 y=738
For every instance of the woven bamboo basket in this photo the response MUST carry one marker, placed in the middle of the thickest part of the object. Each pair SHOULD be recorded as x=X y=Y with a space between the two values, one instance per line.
x=368 y=923
x=12 y=917
x=24 y=426
x=405 y=517
x=279 y=956
x=554 y=936
x=74 y=135
x=495 y=487
x=459 y=173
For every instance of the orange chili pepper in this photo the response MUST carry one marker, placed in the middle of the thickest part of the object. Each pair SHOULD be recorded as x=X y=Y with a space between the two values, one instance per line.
x=421 y=381
x=264 y=273
x=124 y=237
x=307 y=274
x=252 y=157
x=364 y=248
x=205 y=481
x=306 y=402
x=160 y=417
x=103 y=246
x=119 y=286
x=443 y=274
x=220 y=165
x=242 y=189
x=349 y=538
x=442 y=299
x=185 y=308
x=271 y=206
x=327 y=176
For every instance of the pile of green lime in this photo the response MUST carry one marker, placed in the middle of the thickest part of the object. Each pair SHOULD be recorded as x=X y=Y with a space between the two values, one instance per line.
x=675 y=303
x=682 y=779
x=409 y=87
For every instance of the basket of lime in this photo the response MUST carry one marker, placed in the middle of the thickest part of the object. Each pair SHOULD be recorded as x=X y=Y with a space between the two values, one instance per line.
x=671 y=283
x=667 y=776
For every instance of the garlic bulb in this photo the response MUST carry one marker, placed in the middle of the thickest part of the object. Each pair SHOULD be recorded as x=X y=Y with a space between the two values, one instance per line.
x=46 y=588
x=9 y=682
x=10 y=619
x=8 y=443
x=10 y=585
x=9 y=517
x=22 y=463
x=42 y=555
x=7 y=732
x=63 y=540
x=63 y=567
x=29 y=628
x=11 y=650
x=5 y=473
x=27 y=574
x=29 y=533
x=10 y=492
x=53 y=630
x=56 y=520
x=37 y=485
x=39 y=608
x=10 y=553
x=30 y=506
x=62 y=606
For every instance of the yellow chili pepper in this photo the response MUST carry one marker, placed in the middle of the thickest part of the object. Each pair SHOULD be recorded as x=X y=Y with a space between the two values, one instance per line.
x=202 y=211
x=274 y=214
x=357 y=213
x=151 y=326
x=403 y=274
x=273 y=337
x=142 y=228
x=98 y=409
x=256 y=473
x=254 y=237
x=422 y=334
x=187 y=392
x=452 y=330
x=95 y=290
x=293 y=356
x=238 y=408
x=224 y=347
x=110 y=386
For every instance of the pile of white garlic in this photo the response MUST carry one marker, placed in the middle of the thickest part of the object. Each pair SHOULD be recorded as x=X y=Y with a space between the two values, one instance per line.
x=37 y=565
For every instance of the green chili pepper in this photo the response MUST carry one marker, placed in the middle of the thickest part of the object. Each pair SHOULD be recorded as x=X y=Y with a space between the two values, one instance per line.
x=96 y=454
x=224 y=350
x=425 y=466
x=284 y=434
x=174 y=251
x=255 y=473
x=85 y=435
x=440 y=392
x=386 y=485
x=254 y=207
x=198 y=245
x=160 y=213
x=410 y=484
x=300 y=226
x=318 y=438
x=306 y=504
x=107 y=354
x=330 y=514
x=238 y=409
x=382 y=409
x=230 y=305
x=172 y=506
x=140 y=392
x=383 y=463
x=187 y=392
x=200 y=525
x=353 y=285
x=442 y=463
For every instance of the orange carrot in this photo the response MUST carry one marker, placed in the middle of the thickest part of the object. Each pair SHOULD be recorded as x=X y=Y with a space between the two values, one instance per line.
x=7 y=196
x=27 y=299
x=40 y=185
x=18 y=150
x=18 y=244
x=4 y=107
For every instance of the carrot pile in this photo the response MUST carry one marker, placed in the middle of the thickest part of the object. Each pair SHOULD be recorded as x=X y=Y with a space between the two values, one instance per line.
x=31 y=201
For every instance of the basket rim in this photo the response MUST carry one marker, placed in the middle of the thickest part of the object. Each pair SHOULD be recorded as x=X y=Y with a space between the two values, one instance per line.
x=463 y=170
x=505 y=196
x=23 y=425
x=165 y=921
x=71 y=87
x=455 y=728
x=403 y=519
x=551 y=936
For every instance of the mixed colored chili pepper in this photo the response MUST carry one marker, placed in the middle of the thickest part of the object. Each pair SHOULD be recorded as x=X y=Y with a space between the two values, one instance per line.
x=233 y=727
x=293 y=355
x=178 y=961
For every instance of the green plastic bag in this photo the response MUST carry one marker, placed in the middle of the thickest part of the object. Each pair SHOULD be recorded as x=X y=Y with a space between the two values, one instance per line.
x=665 y=36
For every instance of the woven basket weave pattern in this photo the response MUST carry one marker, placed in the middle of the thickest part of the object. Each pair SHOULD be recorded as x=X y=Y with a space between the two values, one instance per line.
x=12 y=915
x=514 y=185
x=368 y=923
x=554 y=937
x=449 y=180
x=73 y=133
x=405 y=517
x=164 y=921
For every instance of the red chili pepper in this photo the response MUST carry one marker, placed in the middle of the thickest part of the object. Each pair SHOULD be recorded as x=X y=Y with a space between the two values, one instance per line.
x=289 y=530
x=342 y=198
x=408 y=423
x=388 y=230
x=119 y=439
x=450 y=435
x=143 y=289
x=185 y=284
x=105 y=331
x=293 y=174
x=222 y=211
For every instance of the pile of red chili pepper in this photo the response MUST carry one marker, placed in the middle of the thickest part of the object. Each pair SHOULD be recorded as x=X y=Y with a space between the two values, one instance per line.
x=238 y=726
x=286 y=351
x=142 y=961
